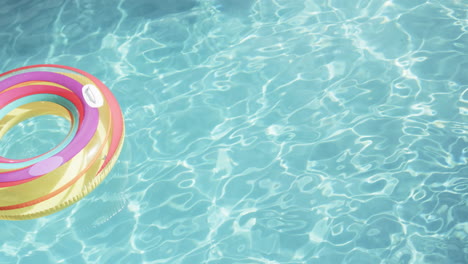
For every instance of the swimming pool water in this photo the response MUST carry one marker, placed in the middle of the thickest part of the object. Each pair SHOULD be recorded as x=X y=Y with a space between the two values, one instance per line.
x=258 y=131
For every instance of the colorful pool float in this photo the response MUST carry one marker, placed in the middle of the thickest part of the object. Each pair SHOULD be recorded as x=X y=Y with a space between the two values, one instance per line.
x=41 y=185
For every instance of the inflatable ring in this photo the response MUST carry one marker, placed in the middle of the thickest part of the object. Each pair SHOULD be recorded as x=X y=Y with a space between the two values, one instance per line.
x=41 y=185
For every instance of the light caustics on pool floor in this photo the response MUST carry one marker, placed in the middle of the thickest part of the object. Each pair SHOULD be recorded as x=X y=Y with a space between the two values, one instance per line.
x=261 y=131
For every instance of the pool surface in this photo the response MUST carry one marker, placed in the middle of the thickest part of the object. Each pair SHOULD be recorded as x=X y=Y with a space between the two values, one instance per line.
x=257 y=131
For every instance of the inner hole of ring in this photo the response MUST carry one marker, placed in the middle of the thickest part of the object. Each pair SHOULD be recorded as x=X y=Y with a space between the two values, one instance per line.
x=34 y=136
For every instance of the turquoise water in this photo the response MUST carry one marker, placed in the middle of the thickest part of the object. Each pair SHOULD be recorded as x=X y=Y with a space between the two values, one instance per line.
x=268 y=131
